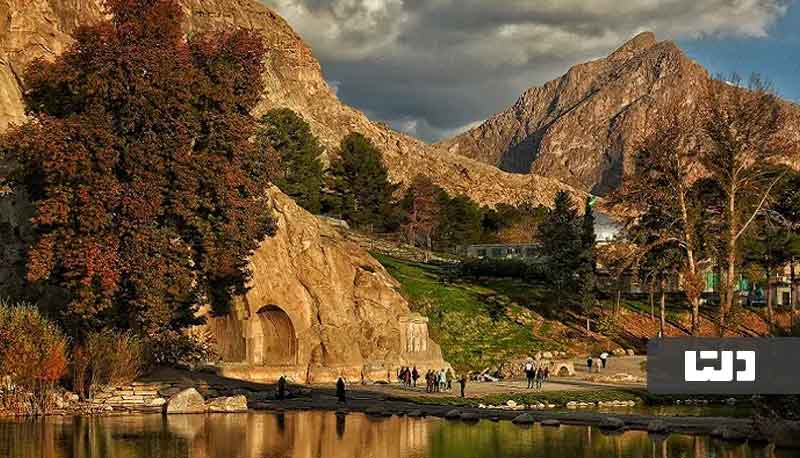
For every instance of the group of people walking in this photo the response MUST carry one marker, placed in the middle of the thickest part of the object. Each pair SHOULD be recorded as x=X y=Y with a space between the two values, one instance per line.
x=408 y=376
x=597 y=362
x=438 y=381
x=536 y=374
x=435 y=381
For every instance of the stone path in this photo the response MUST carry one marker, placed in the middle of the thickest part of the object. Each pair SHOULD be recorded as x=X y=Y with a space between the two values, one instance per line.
x=380 y=405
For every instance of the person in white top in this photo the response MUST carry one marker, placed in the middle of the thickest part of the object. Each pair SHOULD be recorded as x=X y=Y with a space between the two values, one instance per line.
x=603 y=358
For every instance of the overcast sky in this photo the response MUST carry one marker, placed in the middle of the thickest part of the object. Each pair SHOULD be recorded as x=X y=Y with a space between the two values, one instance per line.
x=433 y=68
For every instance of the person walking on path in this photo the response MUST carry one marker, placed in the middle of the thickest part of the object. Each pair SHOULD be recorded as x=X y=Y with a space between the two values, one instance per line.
x=463 y=382
x=443 y=380
x=539 y=378
x=603 y=358
x=450 y=377
x=415 y=376
x=341 y=396
x=529 y=373
x=589 y=363
x=281 y=388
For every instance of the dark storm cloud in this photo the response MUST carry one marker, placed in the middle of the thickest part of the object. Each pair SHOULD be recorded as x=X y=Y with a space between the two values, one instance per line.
x=433 y=67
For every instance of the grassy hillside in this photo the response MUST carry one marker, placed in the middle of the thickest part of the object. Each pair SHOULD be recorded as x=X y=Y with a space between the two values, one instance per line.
x=474 y=330
x=497 y=321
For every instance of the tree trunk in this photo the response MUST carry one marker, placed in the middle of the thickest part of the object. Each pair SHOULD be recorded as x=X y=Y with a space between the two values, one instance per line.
x=428 y=247
x=652 y=305
x=663 y=308
x=770 y=299
x=793 y=290
x=694 y=301
x=730 y=277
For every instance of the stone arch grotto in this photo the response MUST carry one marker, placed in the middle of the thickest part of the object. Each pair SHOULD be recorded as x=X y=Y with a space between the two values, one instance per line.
x=274 y=338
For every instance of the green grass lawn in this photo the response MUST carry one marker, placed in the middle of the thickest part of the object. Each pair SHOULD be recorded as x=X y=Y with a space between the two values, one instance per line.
x=461 y=320
x=673 y=311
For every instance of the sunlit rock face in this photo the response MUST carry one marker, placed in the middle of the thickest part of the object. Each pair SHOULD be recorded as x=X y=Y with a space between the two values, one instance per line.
x=293 y=78
x=319 y=307
x=582 y=128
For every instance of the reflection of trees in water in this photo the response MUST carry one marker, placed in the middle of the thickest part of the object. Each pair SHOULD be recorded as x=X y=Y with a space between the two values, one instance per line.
x=507 y=440
x=323 y=434
x=89 y=437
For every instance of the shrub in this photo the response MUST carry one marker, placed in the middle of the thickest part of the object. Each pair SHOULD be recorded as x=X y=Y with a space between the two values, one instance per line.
x=180 y=349
x=106 y=358
x=32 y=358
x=498 y=268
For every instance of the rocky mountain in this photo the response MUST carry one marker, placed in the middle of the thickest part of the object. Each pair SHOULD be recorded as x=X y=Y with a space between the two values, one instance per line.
x=581 y=128
x=30 y=29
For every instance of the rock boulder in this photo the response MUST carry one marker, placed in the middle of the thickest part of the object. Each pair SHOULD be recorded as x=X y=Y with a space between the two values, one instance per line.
x=227 y=404
x=186 y=401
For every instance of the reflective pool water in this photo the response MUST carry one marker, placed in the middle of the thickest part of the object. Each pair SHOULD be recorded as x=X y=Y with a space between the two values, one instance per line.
x=313 y=434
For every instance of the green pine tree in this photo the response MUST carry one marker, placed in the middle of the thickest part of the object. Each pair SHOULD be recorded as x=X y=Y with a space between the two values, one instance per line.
x=587 y=268
x=299 y=173
x=562 y=243
x=360 y=184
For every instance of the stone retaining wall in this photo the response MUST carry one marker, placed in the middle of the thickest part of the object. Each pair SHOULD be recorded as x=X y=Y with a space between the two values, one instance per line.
x=150 y=397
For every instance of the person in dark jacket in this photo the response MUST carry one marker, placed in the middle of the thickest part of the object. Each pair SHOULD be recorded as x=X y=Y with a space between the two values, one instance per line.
x=340 y=392
x=415 y=376
x=282 y=388
x=463 y=382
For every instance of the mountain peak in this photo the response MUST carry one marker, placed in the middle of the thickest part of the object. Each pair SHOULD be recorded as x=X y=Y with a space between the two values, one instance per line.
x=634 y=46
x=582 y=127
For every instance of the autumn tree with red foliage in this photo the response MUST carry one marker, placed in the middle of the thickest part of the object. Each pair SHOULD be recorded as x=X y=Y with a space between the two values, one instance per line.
x=423 y=206
x=139 y=163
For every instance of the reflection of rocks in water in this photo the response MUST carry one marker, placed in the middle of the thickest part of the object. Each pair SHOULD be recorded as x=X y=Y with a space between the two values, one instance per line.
x=325 y=435
x=186 y=426
x=306 y=435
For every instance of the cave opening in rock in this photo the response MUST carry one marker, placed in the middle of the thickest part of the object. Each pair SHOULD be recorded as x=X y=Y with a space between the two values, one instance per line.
x=279 y=341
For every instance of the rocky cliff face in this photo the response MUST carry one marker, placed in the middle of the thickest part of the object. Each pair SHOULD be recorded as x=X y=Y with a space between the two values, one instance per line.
x=319 y=307
x=40 y=28
x=581 y=127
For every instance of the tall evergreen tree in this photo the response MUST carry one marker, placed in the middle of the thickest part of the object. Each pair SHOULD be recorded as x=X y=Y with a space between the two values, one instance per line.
x=299 y=172
x=562 y=245
x=461 y=221
x=588 y=261
x=360 y=182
